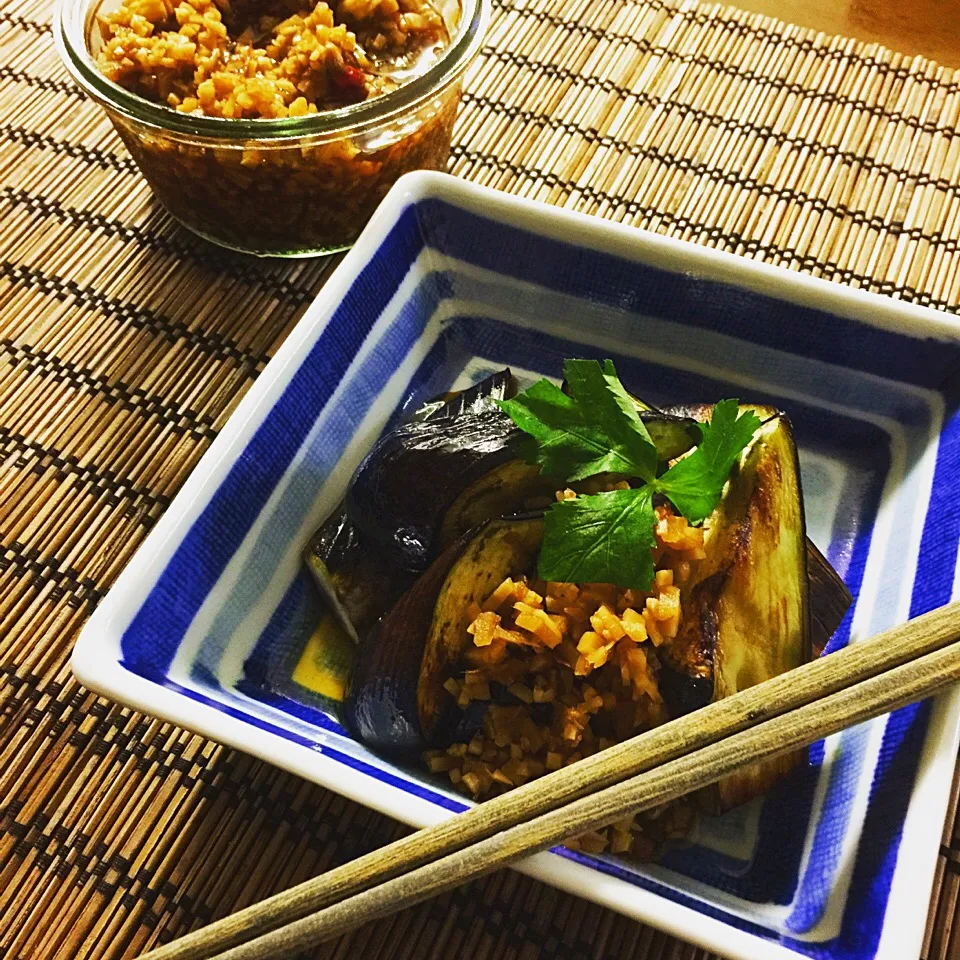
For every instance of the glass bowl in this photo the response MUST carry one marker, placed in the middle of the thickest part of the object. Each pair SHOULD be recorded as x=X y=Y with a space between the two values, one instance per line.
x=293 y=187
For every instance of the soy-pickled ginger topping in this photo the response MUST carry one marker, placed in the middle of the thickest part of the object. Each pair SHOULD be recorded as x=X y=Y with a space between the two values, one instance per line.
x=266 y=58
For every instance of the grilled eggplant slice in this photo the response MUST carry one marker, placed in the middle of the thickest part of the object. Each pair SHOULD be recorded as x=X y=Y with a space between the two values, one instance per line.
x=381 y=703
x=475 y=399
x=672 y=436
x=396 y=699
x=403 y=489
x=359 y=581
x=480 y=397
x=502 y=548
x=400 y=494
x=358 y=584
x=829 y=599
x=500 y=492
x=746 y=615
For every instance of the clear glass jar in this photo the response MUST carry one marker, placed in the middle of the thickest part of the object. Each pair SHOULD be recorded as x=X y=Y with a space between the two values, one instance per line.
x=293 y=187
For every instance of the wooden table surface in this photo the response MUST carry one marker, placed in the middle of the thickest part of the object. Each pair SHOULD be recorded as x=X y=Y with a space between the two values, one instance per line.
x=928 y=27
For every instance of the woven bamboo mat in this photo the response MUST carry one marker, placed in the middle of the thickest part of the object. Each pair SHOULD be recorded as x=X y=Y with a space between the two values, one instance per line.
x=125 y=344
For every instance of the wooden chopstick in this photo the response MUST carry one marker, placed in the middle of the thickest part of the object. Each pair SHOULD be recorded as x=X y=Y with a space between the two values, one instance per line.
x=863 y=701
x=862 y=681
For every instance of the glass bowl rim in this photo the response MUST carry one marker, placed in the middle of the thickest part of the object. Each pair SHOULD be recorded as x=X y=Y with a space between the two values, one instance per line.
x=70 y=22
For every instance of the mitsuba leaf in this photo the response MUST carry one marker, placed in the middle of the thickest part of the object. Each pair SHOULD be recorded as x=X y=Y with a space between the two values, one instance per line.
x=602 y=538
x=594 y=430
x=695 y=484
x=603 y=401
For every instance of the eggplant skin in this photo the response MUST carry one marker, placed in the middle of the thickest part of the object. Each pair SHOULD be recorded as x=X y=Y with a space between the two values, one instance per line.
x=687 y=678
x=380 y=707
x=480 y=397
x=402 y=490
x=396 y=702
x=829 y=598
x=359 y=581
x=754 y=584
x=356 y=581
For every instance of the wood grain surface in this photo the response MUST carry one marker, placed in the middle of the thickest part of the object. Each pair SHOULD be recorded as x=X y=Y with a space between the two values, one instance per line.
x=927 y=27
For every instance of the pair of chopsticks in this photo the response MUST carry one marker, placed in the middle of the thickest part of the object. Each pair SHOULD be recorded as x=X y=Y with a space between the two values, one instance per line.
x=858 y=683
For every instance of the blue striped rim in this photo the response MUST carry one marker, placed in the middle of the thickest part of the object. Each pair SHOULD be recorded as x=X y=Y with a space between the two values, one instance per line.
x=151 y=639
x=605 y=278
x=941 y=532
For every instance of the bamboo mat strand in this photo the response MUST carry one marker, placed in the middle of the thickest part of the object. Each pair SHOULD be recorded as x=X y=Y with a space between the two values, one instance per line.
x=126 y=343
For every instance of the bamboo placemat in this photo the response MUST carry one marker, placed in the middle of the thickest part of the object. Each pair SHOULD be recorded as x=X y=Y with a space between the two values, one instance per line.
x=125 y=344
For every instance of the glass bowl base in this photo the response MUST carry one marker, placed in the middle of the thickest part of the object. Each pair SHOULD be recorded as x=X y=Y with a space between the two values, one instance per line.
x=294 y=254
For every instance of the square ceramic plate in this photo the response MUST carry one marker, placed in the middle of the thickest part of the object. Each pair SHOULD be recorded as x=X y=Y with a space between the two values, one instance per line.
x=210 y=624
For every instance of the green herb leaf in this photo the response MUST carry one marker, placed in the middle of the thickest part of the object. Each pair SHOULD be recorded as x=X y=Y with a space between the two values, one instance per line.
x=602 y=538
x=609 y=537
x=595 y=430
x=695 y=484
x=602 y=399
x=564 y=439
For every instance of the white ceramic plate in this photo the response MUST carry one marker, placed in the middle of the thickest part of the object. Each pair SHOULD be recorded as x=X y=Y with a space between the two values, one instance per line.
x=450 y=281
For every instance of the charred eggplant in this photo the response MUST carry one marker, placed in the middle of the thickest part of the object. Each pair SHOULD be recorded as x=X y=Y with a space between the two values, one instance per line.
x=359 y=580
x=402 y=490
x=500 y=492
x=746 y=610
x=829 y=599
x=673 y=436
x=501 y=548
x=396 y=697
x=480 y=397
